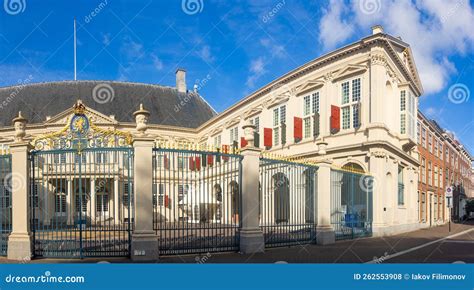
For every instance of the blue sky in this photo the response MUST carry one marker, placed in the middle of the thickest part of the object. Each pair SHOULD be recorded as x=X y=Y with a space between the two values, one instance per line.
x=235 y=47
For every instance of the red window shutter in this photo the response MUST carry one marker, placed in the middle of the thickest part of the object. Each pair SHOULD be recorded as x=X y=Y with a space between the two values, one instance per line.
x=335 y=119
x=298 y=129
x=166 y=162
x=191 y=163
x=167 y=201
x=198 y=163
x=210 y=160
x=267 y=137
x=243 y=142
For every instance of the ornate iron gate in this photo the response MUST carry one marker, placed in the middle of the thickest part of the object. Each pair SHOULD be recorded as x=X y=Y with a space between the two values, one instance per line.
x=196 y=200
x=287 y=202
x=81 y=191
x=5 y=202
x=351 y=204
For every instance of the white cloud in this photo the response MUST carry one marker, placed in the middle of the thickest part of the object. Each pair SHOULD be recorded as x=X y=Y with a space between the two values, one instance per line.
x=257 y=69
x=132 y=49
x=205 y=54
x=157 y=63
x=333 y=29
x=276 y=50
x=436 y=30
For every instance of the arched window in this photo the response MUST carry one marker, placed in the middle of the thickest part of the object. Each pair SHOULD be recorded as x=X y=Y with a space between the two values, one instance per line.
x=235 y=198
x=353 y=167
x=281 y=191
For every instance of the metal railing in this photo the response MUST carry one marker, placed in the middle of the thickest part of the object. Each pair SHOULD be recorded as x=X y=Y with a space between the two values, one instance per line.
x=6 y=180
x=287 y=207
x=196 y=200
x=351 y=204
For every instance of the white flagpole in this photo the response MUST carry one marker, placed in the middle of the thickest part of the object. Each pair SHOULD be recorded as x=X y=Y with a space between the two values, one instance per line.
x=75 y=71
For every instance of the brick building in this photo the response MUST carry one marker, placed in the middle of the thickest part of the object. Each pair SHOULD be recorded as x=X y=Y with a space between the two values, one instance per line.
x=443 y=162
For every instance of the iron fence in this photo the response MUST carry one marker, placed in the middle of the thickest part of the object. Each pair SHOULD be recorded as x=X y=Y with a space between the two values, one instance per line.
x=287 y=202
x=6 y=180
x=351 y=204
x=81 y=202
x=196 y=200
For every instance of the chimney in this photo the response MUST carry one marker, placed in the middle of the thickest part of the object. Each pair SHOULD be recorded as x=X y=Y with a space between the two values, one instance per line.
x=377 y=29
x=181 y=80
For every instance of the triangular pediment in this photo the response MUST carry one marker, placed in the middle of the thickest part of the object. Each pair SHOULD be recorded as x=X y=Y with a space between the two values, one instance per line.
x=95 y=116
x=349 y=70
x=276 y=101
x=253 y=111
x=309 y=86
x=232 y=122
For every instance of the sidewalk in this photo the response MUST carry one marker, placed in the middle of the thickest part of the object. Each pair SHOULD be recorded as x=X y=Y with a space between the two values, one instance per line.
x=351 y=251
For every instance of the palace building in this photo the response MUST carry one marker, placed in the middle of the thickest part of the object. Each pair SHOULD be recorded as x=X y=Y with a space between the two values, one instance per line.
x=327 y=151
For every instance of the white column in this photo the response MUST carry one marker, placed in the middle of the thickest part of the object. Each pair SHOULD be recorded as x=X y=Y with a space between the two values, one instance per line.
x=69 y=204
x=20 y=239
x=93 y=209
x=116 y=201
x=324 y=231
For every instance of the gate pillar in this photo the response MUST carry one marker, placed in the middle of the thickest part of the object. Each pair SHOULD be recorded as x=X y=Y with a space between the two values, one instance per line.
x=251 y=235
x=20 y=239
x=324 y=231
x=144 y=238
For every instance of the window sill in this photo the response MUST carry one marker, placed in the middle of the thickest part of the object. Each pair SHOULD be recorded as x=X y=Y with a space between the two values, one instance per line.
x=402 y=207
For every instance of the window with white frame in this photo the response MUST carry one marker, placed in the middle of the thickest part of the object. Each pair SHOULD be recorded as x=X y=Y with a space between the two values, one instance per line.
x=430 y=173
x=430 y=142
x=401 y=187
x=256 y=122
x=403 y=117
x=423 y=170
x=423 y=137
x=436 y=184
x=217 y=141
x=310 y=108
x=234 y=135
x=411 y=116
x=418 y=133
x=279 y=121
x=350 y=103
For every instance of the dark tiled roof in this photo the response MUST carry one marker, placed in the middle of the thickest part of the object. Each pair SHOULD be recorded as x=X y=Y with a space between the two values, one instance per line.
x=166 y=105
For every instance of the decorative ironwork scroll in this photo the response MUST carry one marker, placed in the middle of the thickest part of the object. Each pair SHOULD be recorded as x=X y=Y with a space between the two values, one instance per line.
x=81 y=133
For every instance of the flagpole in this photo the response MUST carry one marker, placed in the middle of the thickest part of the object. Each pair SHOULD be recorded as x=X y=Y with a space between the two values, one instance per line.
x=75 y=71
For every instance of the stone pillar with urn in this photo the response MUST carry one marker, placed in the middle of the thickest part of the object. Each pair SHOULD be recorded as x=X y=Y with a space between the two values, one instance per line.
x=144 y=239
x=20 y=239
x=251 y=235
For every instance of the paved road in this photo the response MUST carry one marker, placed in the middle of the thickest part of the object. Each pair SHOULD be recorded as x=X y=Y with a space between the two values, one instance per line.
x=422 y=246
